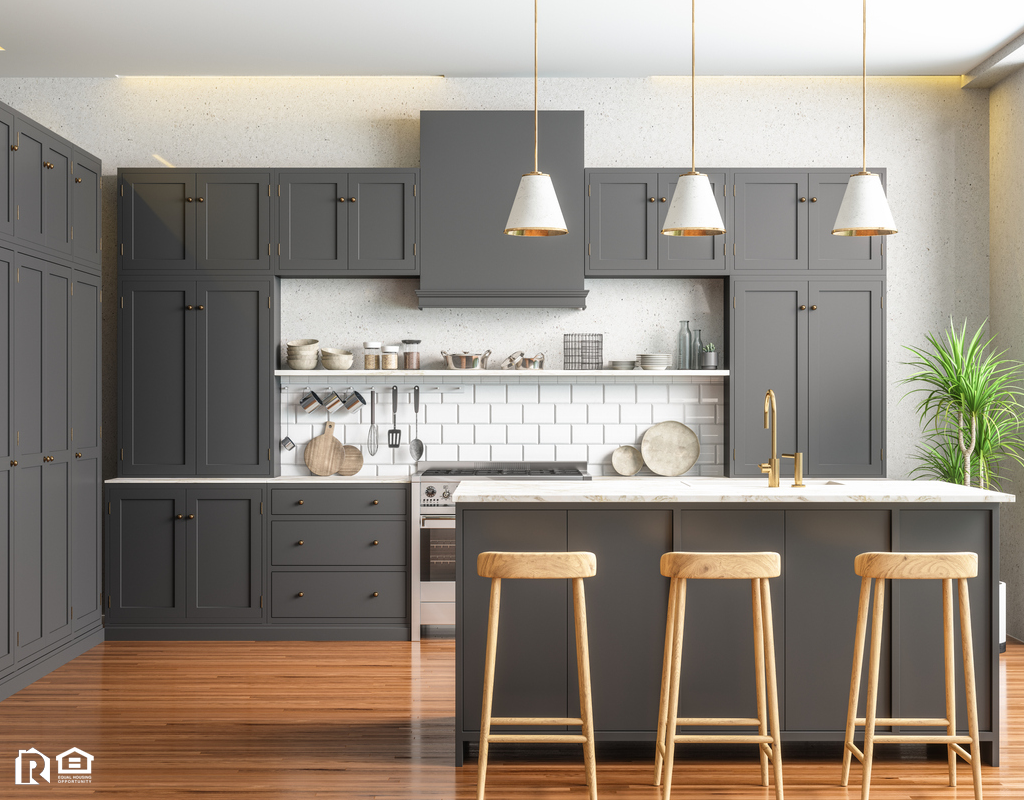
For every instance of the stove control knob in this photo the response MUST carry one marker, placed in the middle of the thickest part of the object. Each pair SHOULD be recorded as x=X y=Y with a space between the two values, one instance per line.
x=430 y=491
x=446 y=494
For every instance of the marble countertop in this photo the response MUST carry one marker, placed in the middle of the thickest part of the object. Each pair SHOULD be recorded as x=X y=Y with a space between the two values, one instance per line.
x=330 y=480
x=722 y=490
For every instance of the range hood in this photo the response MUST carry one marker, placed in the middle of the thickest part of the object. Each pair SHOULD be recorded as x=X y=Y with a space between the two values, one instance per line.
x=470 y=166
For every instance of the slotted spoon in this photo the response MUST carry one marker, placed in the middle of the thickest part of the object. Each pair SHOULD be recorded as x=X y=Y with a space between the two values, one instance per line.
x=371 y=437
x=394 y=435
x=416 y=446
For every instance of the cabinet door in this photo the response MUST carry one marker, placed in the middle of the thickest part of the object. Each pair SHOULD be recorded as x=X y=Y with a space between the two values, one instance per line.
x=29 y=177
x=86 y=352
x=690 y=253
x=718 y=648
x=86 y=538
x=30 y=286
x=826 y=251
x=628 y=546
x=770 y=220
x=313 y=221
x=7 y=273
x=6 y=172
x=158 y=221
x=224 y=552
x=158 y=397
x=844 y=379
x=56 y=396
x=233 y=220
x=233 y=378
x=56 y=579
x=623 y=222
x=822 y=594
x=530 y=680
x=57 y=195
x=382 y=222
x=6 y=574
x=28 y=560
x=87 y=215
x=146 y=554
x=769 y=347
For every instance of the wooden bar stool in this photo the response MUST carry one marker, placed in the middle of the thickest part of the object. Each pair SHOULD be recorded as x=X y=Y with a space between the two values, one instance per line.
x=757 y=568
x=881 y=567
x=574 y=566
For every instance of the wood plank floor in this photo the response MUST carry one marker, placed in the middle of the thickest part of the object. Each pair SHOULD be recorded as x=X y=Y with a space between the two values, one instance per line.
x=375 y=720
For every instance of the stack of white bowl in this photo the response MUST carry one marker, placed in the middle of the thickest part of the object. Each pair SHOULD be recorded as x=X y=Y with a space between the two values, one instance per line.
x=622 y=364
x=333 y=358
x=655 y=360
x=303 y=353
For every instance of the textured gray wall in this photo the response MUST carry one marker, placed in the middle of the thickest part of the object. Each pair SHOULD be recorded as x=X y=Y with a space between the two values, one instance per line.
x=932 y=136
x=1006 y=251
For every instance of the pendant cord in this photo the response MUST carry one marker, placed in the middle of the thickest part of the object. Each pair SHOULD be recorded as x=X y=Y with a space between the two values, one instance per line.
x=693 y=85
x=864 y=93
x=535 y=168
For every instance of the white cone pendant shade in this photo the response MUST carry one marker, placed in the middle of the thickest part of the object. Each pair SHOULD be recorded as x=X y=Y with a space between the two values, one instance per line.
x=535 y=211
x=694 y=210
x=864 y=211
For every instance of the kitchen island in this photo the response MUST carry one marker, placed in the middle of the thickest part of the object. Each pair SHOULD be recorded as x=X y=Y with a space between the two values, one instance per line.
x=629 y=522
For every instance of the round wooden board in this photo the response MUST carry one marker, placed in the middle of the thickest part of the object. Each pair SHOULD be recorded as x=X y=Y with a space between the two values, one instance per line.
x=670 y=448
x=627 y=460
x=324 y=454
x=353 y=461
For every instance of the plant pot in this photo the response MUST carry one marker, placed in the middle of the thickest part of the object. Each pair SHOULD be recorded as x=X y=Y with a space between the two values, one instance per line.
x=709 y=360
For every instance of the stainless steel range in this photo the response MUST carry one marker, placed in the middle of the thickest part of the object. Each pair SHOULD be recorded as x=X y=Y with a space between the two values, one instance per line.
x=433 y=527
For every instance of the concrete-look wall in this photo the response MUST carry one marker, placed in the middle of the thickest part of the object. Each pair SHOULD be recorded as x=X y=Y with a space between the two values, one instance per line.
x=931 y=135
x=1006 y=253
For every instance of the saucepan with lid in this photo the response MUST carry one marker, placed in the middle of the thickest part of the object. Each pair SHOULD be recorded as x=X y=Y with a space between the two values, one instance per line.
x=518 y=361
x=465 y=360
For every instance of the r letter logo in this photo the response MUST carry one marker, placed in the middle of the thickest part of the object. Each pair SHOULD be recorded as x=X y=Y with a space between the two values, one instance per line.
x=27 y=762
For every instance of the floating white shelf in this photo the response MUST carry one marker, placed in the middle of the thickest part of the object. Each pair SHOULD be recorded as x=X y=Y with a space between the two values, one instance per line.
x=499 y=373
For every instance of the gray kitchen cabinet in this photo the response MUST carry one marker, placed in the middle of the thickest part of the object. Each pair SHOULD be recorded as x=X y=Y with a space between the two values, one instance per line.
x=6 y=576
x=86 y=208
x=195 y=377
x=382 y=222
x=232 y=220
x=86 y=334
x=57 y=196
x=466 y=259
x=825 y=250
x=623 y=211
x=157 y=221
x=7 y=274
x=313 y=221
x=86 y=538
x=355 y=596
x=224 y=552
x=819 y=346
x=703 y=254
x=7 y=151
x=29 y=182
x=770 y=220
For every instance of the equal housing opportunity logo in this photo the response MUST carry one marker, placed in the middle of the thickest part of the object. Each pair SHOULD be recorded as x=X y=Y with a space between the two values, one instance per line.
x=73 y=766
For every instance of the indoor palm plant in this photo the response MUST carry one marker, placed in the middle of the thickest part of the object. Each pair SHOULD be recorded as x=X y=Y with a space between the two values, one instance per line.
x=970 y=408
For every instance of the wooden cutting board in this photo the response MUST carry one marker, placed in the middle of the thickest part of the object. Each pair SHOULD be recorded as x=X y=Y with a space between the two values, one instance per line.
x=353 y=461
x=324 y=454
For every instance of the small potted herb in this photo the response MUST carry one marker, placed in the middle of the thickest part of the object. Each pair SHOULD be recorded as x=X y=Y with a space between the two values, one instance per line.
x=709 y=357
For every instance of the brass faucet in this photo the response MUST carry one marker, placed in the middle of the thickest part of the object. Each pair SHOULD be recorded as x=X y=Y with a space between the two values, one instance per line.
x=771 y=467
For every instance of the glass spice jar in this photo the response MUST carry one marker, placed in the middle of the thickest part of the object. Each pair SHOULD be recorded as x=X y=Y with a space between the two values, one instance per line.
x=389 y=356
x=411 y=353
x=371 y=355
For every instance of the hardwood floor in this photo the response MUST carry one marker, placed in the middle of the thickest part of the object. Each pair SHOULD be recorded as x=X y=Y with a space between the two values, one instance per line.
x=374 y=720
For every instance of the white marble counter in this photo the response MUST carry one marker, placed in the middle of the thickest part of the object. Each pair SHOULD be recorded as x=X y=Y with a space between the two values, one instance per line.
x=722 y=490
x=330 y=480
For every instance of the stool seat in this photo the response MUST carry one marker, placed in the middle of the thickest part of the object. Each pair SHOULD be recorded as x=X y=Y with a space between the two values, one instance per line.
x=493 y=564
x=740 y=566
x=916 y=566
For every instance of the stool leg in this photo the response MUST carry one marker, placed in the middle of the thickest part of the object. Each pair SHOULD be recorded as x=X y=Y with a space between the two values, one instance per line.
x=485 y=713
x=858 y=666
x=877 y=618
x=673 y=694
x=773 y=686
x=971 y=687
x=762 y=716
x=666 y=667
x=950 y=659
x=583 y=669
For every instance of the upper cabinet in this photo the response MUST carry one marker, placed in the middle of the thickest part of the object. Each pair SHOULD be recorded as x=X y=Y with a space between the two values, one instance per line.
x=7 y=172
x=86 y=209
x=626 y=214
x=347 y=223
x=174 y=220
x=42 y=170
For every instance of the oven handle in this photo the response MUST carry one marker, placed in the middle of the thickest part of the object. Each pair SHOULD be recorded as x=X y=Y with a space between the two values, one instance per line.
x=438 y=522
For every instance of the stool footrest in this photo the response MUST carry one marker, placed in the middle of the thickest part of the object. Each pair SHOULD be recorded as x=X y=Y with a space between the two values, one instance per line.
x=537 y=738
x=899 y=738
x=724 y=737
x=855 y=750
x=886 y=722
x=716 y=721
x=536 y=721
x=961 y=752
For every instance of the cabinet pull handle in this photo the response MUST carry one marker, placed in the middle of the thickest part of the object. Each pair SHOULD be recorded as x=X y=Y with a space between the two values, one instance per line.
x=301 y=502
x=351 y=199
x=191 y=516
x=814 y=308
x=301 y=542
x=180 y=516
x=375 y=594
x=301 y=594
x=341 y=199
x=803 y=308
x=14 y=463
x=376 y=502
x=374 y=543
x=14 y=147
x=188 y=199
x=78 y=180
x=200 y=199
x=78 y=455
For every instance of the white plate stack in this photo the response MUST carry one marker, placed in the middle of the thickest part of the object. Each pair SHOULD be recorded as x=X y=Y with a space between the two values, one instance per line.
x=621 y=364
x=655 y=360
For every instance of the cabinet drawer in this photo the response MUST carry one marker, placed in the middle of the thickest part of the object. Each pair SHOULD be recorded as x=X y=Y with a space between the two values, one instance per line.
x=338 y=594
x=337 y=501
x=339 y=543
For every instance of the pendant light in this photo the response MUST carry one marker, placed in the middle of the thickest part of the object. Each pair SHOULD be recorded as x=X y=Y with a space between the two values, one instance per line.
x=694 y=210
x=864 y=210
x=535 y=211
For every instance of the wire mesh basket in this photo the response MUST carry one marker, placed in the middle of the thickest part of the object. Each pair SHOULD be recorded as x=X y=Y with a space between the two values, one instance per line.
x=583 y=351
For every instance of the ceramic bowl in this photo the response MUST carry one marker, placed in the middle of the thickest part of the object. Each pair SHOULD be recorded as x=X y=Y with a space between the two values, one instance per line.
x=336 y=359
x=302 y=363
x=303 y=344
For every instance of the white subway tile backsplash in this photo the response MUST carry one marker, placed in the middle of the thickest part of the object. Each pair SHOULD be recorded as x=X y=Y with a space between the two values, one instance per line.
x=523 y=393
x=393 y=470
x=555 y=434
x=457 y=434
x=441 y=452
x=620 y=393
x=571 y=452
x=587 y=393
x=663 y=412
x=684 y=393
x=712 y=393
x=440 y=413
x=620 y=434
x=490 y=394
x=490 y=434
x=570 y=413
x=475 y=452
x=698 y=414
x=558 y=393
x=507 y=413
x=587 y=434
x=712 y=434
x=639 y=413
x=523 y=434
x=539 y=413
x=600 y=453
x=654 y=393
x=506 y=452
x=429 y=434
x=539 y=452
x=603 y=413
x=475 y=414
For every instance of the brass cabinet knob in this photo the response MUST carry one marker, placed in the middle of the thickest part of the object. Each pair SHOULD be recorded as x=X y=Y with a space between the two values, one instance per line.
x=375 y=594
x=803 y=308
x=180 y=516
x=341 y=199
x=191 y=516
x=376 y=502
x=188 y=199
x=78 y=455
x=78 y=180
x=374 y=543
x=301 y=594
x=14 y=463
x=200 y=308
x=664 y=199
x=814 y=199
x=302 y=502
x=650 y=199
x=351 y=199
x=188 y=308
x=814 y=308
x=301 y=542
x=803 y=199
x=200 y=199
x=14 y=147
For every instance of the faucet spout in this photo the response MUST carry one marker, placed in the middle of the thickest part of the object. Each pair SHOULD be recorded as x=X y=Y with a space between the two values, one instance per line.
x=771 y=468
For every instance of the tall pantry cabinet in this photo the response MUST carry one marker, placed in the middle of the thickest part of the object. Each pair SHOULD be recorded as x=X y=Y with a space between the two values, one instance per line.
x=50 y=399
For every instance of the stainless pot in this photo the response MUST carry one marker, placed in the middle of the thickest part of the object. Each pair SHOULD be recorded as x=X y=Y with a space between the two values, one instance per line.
x=537 y=362
x=465 y=360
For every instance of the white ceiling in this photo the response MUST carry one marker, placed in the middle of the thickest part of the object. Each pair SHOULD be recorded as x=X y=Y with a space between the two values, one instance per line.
x=489 y=38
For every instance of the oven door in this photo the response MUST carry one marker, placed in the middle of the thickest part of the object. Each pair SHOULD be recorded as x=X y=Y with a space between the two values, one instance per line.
x=437 y=570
